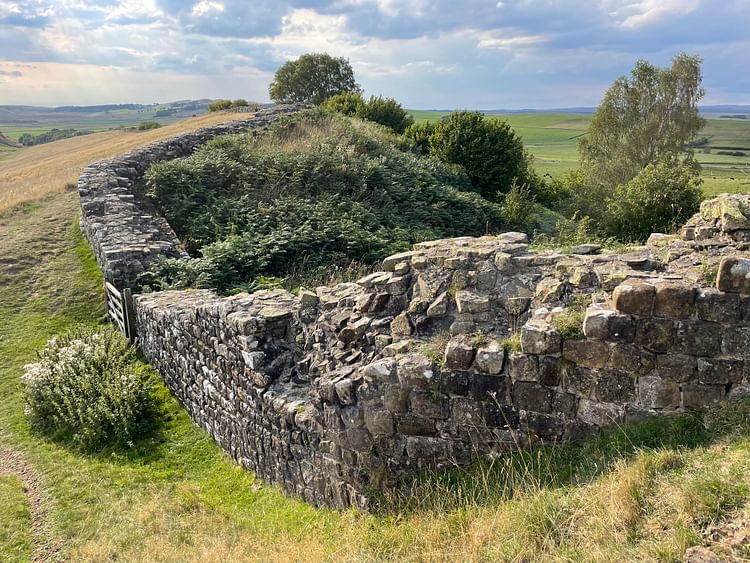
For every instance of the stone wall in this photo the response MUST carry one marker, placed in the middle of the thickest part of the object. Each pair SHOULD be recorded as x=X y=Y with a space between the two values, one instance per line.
x=337 y=392
x=124 y=230
x=456 y=349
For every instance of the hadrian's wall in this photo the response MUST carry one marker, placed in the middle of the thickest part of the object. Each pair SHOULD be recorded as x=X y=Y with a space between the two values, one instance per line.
x=335 y=392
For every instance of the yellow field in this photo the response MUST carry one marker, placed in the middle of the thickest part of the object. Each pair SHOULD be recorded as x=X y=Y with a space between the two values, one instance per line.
x=30 y=173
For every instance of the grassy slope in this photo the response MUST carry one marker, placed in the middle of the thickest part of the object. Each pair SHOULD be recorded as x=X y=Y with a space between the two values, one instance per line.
x=178 y=498
x=33 y=172
x=552 y=139
x=15 y=521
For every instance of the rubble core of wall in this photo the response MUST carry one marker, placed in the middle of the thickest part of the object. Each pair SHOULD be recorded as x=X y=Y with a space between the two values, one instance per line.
x=123 y=228
x=453 y=351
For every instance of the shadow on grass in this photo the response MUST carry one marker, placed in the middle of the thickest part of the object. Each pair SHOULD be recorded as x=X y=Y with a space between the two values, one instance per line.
x=490 y=481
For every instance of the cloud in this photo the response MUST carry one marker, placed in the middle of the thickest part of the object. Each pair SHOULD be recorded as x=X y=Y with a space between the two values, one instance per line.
x=13 y=73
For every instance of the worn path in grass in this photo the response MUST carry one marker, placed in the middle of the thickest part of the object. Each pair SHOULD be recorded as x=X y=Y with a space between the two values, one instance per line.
x=12 y=463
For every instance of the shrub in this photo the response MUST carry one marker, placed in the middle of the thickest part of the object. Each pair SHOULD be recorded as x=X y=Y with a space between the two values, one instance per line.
x=487 y=149
x=146 y=125
x=418 y=134
x=219 y=105
x=386 y=111
x=86 y=387
x=346 y=103
x=659 y=199
x=240 y=103
x=518 y=206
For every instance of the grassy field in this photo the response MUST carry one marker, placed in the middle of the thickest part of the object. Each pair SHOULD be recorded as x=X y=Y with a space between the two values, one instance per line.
x=645 y=492
x=553 y=138
x=30 y=173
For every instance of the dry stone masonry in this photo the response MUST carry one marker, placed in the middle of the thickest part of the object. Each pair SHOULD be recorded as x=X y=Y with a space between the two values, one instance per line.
x=456 y=349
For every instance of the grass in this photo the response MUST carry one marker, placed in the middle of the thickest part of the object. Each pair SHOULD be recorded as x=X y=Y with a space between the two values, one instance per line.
x=15 y=521
x=553 y=140
x=33 y=172
x=644 y=492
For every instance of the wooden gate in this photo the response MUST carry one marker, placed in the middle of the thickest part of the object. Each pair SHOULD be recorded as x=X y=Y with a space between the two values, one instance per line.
x=120 y=309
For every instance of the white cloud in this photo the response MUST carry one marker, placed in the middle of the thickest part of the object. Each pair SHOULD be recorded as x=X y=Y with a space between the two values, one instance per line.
x=207 y=7
x=507 y=40
x=634 y=15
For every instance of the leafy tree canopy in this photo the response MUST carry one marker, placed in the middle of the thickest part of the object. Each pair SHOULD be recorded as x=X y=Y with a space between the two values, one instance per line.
x=312 y=78
x=649 y=116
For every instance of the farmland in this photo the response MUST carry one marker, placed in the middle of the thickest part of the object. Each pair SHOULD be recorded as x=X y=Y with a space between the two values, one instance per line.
x=552 y=139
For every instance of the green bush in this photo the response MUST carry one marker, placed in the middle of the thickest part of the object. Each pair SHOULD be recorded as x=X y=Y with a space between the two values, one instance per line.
x=317 y=191
x=146 y=125
x=658 y=200
x=240 y=103
x=486 y=148
x=219 y=105
x=86 y=387
x=418 y=135
x=346 y=103
x=518 y=206
x=385 y=111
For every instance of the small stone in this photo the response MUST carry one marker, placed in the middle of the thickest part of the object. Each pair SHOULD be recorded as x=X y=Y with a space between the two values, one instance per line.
x=397 y=285
x=345 y=391
x=439 y=307
x=677 y=367
x=524 y=367
x=634 y=298
x=587 y=353
x=490 y=359
x=657 y=393
x=402 y=325
x=459 y=353
x=540 y=339
x=596 y=322
x=697 y=395
x=402 y=268
x=656 y=335
x=512 y=237
x=428 y=404
x=379 y=422
x=381 y=371
x=470 y=302
x=674 y=300
x=586 y=249
x=308 y=299
x=734 y=275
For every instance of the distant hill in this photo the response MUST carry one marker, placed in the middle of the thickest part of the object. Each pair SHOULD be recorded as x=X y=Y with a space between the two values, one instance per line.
x=584 y=110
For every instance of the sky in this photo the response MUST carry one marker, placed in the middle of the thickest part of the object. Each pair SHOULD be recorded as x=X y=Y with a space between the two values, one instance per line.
x=443 y=54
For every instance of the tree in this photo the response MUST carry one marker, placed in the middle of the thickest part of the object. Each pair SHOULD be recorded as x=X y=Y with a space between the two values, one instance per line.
x=650 y=116
x=487 y=149
x=312 y=78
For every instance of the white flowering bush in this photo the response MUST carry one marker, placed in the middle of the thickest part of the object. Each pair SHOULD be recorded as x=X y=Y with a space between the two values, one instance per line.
x=87 y=387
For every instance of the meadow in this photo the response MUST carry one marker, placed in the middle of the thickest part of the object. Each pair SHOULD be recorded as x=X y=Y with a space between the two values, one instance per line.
x=643 y=492
x=553 y=140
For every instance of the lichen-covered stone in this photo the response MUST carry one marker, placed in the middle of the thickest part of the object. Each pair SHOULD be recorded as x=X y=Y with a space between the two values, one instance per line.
x=586 y=353
x=734 y=275
x=490 y=359
x=459 y=353
x=674 y=300
x=540 y=338
x=634 y=298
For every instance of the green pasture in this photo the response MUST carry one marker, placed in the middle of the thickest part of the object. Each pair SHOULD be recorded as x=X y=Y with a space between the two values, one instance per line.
x=552 y=139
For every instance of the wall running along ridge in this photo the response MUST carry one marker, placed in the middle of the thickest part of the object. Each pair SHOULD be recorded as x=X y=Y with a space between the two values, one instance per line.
x=337 y=392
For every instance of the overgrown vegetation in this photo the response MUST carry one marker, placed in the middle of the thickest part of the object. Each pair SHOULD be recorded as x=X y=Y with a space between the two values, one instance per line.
x=385 y=111
x=319 y=191
x=148 y=125
x=86 y=387
x=219 y=105
x=29 y=140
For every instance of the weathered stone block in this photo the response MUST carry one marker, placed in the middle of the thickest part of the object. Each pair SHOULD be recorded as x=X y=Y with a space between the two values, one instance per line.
x=656 y=335
x=413 y=425
x=710 y=305
x=736 y=342
x=486 y=387
x=459 y=353
x=657 y=393
x=396 y=399
x=596 y=322
x=490 y=359
x=697 y=395
x=471 y=302
x=549 y=370
x=467 y=412
x=439 y=307
x=431 y=450
x=674 y=300
x=381 y=371
x=402 y=325
x=719 y=372
x=379 y=422
x=600 y=414
x=631 y=358
x=615 y=386
x=544 y=426
x=524 y=367
x=531 y=396
x=734 y=275
x=579 y=380
x=454 y=383
x=416 y=370
x=540 y=339
x=586 y=353
x=698 y=338
x=428 y=404
x=634 y=298
x=677 y=367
